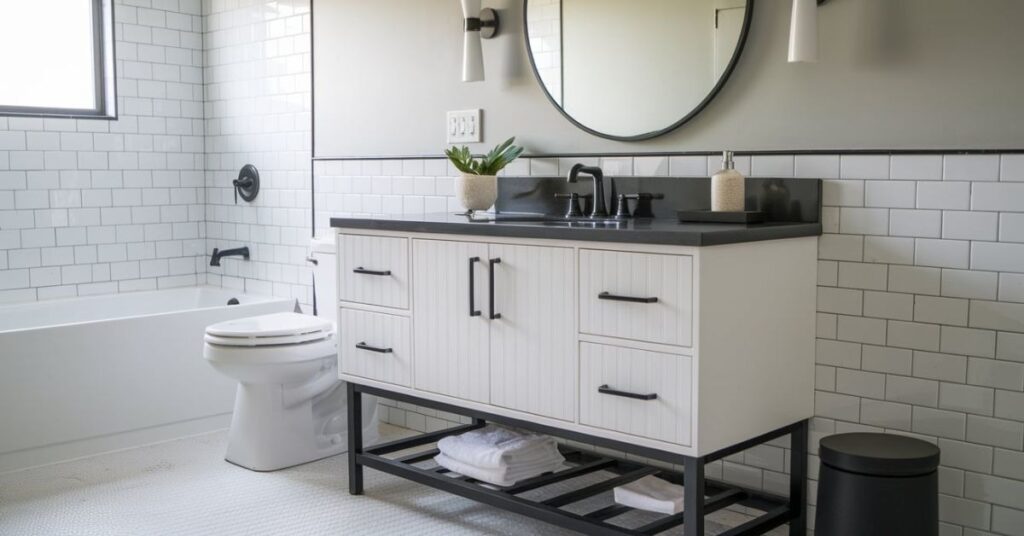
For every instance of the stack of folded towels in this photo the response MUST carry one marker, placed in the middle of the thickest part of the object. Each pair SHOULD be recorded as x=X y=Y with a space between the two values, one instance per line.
x=498 y=455
x=652 y=494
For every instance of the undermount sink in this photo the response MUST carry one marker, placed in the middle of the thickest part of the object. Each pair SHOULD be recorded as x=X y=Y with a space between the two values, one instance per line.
x=545 y=219
x=586 y=222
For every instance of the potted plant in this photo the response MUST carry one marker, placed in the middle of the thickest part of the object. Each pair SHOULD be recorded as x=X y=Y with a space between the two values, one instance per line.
x=477 y=185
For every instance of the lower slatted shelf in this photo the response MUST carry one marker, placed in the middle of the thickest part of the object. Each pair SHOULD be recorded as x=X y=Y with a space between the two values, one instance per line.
x=717 y=495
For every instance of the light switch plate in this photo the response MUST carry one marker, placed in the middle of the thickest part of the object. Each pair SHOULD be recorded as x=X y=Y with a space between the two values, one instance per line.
x=463 y=126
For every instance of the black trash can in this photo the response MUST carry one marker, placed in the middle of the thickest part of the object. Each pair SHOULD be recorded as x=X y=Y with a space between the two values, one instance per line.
x=877 y=484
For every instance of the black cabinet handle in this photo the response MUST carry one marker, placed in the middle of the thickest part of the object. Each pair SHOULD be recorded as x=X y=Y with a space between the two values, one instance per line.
x=605 y=390
x=472 y=287
x=633 y=299
x=368 y=348
x=490 y=289
x=364 y=271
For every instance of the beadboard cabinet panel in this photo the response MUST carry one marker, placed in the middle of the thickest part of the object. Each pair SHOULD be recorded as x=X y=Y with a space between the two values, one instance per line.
x=533 y=343
x=613 y=285
x=373 y=270
x=360 y=333
x=626 y=371
x=452 y=346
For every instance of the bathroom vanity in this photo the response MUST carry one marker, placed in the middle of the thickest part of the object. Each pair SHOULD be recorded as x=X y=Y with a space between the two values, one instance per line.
x=638 y=336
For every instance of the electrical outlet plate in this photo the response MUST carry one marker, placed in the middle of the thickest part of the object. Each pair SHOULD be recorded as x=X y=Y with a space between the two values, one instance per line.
x=463 y=126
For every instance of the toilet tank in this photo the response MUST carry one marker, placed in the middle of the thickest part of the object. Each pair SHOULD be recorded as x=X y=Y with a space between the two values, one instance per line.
x=325 y=278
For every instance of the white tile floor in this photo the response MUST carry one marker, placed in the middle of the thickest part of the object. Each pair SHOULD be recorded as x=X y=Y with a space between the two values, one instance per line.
x=184 y=487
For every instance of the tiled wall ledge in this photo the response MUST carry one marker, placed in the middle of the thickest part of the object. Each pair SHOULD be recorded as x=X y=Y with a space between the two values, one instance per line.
x=920 y=303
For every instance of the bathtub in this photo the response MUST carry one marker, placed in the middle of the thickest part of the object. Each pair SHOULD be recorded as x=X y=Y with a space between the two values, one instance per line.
x=89 y=375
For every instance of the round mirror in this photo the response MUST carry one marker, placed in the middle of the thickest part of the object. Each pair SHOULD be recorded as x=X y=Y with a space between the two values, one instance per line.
x=634 y=69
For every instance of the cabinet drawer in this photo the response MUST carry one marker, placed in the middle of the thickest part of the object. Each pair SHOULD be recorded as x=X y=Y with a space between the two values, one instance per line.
x=639 y=296
x=636 y=392
x=375 y=346
x=374 y=270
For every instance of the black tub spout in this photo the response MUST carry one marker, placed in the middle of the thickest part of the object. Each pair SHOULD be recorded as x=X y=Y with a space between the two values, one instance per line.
x=237 y=252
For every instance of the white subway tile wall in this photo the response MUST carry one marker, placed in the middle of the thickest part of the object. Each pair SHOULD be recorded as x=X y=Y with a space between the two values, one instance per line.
x=920 y=306
x=257 y=75
x=921 y=272
x=95 y=206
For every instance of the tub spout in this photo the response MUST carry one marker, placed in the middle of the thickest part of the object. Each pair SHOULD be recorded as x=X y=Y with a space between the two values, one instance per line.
x=219 y=254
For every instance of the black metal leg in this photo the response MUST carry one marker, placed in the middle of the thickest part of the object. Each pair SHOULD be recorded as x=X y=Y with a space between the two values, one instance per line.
x=798 y=480
x=355 y=440
x=693 y=496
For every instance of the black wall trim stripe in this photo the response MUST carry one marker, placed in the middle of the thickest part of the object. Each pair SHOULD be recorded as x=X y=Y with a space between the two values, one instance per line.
x=815 y=152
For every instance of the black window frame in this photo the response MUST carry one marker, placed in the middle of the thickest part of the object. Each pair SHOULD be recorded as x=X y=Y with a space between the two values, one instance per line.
x=104 y=74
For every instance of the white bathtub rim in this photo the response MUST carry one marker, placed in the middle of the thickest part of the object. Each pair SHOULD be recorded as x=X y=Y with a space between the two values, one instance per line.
x=258 y=299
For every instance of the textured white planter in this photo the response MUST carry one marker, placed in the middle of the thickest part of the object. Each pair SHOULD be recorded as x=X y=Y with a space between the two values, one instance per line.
x=476 y=192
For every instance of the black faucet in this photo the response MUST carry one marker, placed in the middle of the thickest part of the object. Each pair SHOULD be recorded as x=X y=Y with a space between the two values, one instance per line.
x=237 y=252
x=598 y=210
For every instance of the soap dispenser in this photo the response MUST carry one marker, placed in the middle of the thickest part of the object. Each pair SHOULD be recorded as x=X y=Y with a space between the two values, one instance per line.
x=727 y=187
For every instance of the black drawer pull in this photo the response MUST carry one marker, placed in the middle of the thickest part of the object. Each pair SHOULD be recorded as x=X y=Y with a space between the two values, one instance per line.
x=362 y=270
x=605 y=390
x=472 y=287
x=633 y=299
x=368 y=348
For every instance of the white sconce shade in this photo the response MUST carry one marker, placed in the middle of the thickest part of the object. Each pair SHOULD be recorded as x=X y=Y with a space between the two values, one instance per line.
x=803 y=32
x=479 y=25
x=472 y=57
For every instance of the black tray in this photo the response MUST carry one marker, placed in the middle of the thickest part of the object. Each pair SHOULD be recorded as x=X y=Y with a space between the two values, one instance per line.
x=708 y=216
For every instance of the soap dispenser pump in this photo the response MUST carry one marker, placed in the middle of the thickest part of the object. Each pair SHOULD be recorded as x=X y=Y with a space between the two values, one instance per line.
x=727 y=187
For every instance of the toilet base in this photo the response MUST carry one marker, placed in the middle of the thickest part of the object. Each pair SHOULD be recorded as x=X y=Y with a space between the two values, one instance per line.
x=268 y=435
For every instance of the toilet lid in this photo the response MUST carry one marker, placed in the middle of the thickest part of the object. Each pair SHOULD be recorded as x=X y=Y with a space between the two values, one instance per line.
x=268 y=330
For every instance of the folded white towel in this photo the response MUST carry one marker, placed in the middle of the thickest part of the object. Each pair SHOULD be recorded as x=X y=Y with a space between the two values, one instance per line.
x=506 y=476
x=652 y=494
x=494 y=447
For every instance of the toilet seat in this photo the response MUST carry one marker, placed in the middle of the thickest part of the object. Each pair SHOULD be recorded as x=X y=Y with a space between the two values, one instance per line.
x=278 y=329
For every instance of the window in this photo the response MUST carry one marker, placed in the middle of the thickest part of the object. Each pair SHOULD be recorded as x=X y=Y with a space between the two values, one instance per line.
x=57 y=58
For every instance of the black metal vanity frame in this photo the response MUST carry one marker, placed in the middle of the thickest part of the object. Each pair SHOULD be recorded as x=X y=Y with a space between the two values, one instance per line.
x=717 y=495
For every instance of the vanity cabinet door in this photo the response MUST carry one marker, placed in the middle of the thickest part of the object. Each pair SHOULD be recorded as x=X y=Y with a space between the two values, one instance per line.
x=451 y=340
x=533 y=351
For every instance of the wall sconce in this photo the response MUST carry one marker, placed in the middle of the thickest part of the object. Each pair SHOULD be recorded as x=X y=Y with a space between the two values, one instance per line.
x=803 y=31
x=480 y=24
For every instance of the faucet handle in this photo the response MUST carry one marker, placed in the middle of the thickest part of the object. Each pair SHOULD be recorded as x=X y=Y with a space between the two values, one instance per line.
x=643 y=203
x=622 y=207
x=573 y=210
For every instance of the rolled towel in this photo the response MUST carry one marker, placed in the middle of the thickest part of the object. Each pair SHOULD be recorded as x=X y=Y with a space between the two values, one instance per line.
x=495 y=447
x=503 y=477
x=652 y=494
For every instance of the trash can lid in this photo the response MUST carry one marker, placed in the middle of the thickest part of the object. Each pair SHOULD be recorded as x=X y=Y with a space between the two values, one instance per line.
x=879 y=454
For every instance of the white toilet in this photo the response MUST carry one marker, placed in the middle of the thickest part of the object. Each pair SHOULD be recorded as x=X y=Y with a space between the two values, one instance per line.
x=290 y=407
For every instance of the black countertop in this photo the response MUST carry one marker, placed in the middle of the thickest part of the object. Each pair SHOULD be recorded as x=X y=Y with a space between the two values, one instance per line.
x=654 y=231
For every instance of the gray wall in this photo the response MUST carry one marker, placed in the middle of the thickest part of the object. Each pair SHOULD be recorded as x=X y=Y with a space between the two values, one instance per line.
x=894 y=74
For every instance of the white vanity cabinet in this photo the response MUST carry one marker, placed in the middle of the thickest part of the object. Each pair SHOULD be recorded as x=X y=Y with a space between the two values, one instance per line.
x=679 y=348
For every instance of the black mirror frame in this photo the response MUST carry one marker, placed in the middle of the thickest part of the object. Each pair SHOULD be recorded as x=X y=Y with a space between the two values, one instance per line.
x=748 y=17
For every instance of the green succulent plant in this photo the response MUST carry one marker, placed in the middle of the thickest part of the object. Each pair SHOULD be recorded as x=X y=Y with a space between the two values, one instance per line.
x=489 y=164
